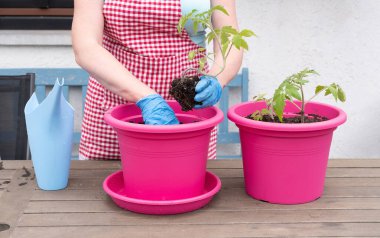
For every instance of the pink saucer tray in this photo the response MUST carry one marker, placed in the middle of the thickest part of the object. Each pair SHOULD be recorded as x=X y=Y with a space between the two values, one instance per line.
x=113 y=185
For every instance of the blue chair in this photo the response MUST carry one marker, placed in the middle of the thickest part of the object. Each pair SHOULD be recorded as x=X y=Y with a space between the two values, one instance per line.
x=224 y=135
x=76 y=77
x=46 y=77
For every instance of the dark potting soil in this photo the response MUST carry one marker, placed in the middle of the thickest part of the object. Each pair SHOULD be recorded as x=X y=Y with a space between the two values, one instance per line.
x=142 y=123
x=183 y=91
x=309 y=118
x=4 y=227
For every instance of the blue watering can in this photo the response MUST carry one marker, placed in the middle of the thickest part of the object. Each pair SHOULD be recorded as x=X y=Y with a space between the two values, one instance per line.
x=50 y=126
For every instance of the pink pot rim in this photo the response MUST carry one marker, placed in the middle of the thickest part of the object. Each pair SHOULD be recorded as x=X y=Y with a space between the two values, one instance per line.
x=203 y=196
x=205 y=124
x=331 y=123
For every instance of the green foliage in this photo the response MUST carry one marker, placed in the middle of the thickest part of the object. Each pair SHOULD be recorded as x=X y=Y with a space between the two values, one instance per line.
x=225 y=37
x=292 y=88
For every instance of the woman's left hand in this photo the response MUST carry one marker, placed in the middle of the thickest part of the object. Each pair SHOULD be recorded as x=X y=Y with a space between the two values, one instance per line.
x=208 y=91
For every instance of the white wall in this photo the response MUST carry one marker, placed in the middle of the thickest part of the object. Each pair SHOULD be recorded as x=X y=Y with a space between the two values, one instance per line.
x=338 y=38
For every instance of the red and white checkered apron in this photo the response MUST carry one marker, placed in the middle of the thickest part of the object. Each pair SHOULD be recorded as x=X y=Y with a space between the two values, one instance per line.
x=142 y=35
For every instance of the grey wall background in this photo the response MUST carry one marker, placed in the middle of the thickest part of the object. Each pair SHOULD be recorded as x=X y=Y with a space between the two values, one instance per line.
x=338 y=38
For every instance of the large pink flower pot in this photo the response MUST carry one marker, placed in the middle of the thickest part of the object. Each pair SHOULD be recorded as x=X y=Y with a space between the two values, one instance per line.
x=164 y=162
x=285 y=163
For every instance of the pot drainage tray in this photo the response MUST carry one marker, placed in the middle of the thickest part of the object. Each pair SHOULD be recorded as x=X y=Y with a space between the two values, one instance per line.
x=113 y=185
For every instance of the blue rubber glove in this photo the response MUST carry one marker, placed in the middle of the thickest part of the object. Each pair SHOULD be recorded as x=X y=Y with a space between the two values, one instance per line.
x=208 y=91
x=156 y=111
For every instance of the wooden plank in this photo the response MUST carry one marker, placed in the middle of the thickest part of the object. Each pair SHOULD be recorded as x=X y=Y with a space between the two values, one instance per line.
x=6 y=174
x=203 y=216
x=225 y=201
x=352 y=182
x=93 y=195
x=64 y=195
x=4 y=184
x=15 y=199
x=355 y=163
x=96 y=183
x=17 y=164
x=205 y=231
x=88 y=165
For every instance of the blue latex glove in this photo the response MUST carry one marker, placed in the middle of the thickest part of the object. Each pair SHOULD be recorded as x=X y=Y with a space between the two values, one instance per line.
x=208 y=91
x=156 y=111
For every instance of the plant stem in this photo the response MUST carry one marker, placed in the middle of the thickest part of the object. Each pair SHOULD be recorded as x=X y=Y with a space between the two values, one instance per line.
x=188 y=70
x=307 y=101
x=209 y=25
x=208 y=57
x=295 y=105
x=302 y=105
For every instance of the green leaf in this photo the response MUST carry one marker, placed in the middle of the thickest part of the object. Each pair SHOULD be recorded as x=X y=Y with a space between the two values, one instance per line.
x=236 y=41
x=319 y=88
x=244 y=44
x=210 y=36
x=202 y=63
x=247 y=33
x=225 y=48
x=224 y=38
x=195 y=27
x=279 y=104
x=230 y=29
x=181 y=24
x=301 y=81
x=265 y=111
x=293 y=92
x=191 y=55
x=259 y=97
x=341 y=94
x=219 y=8
x=327 y=92
x=334 y=91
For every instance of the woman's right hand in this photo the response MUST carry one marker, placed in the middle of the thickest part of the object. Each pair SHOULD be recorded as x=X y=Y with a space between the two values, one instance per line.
x=156 y=111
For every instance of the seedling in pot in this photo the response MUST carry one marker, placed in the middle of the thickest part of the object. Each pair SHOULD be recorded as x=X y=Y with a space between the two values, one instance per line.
x=290 y=89
x=225 y=38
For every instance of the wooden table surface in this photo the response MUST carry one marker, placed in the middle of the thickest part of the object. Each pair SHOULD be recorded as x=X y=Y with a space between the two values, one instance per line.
x=350 y=206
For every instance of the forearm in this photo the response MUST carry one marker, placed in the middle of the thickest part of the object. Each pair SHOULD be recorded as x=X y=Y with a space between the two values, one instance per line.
x=87 y=33
x=104 y=67
x=235 y=57
x=232 y=67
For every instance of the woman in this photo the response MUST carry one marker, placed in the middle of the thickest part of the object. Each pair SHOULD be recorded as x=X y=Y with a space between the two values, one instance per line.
x=132 y=50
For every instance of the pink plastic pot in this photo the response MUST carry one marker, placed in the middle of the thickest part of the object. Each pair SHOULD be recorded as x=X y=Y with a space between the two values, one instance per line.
x=164 y=162
x=285 y=163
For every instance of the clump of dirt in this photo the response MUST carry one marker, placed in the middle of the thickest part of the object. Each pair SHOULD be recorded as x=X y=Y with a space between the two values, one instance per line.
x=1 y=165
x=27 y=172
x=4 y=227
x=183 y=91
x=22 y=184
x=309 y=118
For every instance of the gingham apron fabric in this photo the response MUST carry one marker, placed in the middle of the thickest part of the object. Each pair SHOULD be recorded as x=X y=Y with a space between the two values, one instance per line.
x=143 y=36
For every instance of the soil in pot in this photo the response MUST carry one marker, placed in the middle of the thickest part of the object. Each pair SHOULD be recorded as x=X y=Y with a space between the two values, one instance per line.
x=183 y=91
x=183 y=119
x=309 y=118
